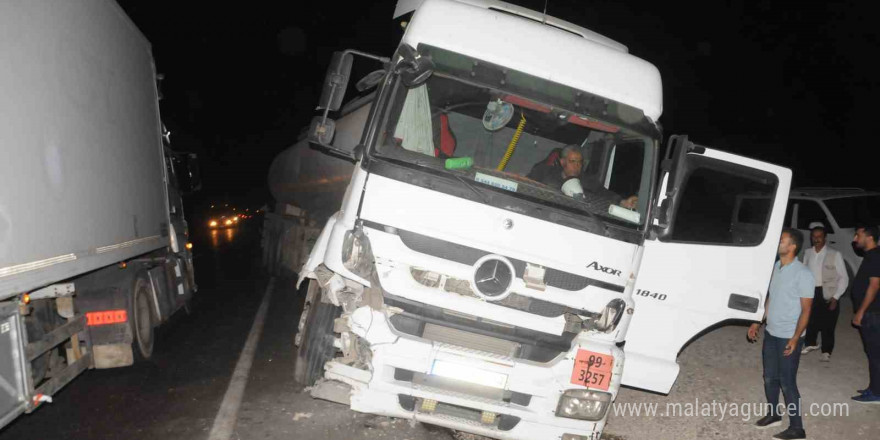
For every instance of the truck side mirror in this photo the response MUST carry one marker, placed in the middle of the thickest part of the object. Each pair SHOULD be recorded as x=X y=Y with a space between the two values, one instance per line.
x=336 y=81
x=371 y=80
x=413 y=67
x=195 y=177
x=186 y=170
x=675 y=170
x=321 y=131
x=322 y=128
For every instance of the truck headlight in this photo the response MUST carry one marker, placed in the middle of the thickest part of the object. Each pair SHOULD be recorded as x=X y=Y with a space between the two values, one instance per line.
x=583 y=405
x=611 y=315
x=609 y=318
x=356 y=254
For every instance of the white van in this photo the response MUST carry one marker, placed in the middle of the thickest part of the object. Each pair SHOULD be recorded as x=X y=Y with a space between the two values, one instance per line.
x=840 y=210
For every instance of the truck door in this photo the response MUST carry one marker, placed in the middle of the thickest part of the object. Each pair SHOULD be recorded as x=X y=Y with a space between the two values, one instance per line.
x=698 y=268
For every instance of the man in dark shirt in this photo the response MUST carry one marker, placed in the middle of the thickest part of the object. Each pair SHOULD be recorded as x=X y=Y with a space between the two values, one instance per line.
x=570 y=165
x=867 y=308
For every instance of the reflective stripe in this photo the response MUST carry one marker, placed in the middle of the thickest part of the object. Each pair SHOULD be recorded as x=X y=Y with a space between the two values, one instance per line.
x=130 y=243
x=26 y=267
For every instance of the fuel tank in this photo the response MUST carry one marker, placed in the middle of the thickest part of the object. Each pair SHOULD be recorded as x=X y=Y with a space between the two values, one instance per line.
x=313 y=179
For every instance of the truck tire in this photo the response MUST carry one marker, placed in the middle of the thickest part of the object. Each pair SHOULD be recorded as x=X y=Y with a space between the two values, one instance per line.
x=315 y=337
x=142 y=329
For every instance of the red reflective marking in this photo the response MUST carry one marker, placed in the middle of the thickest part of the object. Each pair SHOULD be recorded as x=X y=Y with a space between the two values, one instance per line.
x=523 y=102
x=106 y=317
x=589 y=123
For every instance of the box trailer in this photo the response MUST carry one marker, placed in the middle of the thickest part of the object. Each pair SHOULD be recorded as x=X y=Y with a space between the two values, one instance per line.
x=93 y=239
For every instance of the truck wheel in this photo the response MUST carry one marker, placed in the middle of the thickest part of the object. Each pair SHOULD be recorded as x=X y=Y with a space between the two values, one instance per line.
x=143 y=332
x=314 y=337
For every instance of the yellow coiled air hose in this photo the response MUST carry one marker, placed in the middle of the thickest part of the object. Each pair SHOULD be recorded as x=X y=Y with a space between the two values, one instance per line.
x=512 y=146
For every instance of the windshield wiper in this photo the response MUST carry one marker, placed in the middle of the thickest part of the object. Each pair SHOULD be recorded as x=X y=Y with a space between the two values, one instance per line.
x=567 y=219
x=430 y=165
x=476 y=191
x=588 y=210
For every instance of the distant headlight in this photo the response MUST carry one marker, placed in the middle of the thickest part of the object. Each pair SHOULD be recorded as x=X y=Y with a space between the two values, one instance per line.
x=228 y=222
x=213 y=223
x=235 y=219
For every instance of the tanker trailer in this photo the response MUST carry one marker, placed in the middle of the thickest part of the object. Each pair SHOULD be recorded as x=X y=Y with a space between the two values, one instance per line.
x=308 y=185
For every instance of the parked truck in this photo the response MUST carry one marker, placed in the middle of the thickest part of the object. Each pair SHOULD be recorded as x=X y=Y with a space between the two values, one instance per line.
x=94 y=250
x=445 y=284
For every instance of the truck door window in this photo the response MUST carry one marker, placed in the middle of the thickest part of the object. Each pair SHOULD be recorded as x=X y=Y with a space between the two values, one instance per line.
x=809 y=212
x=712 y=194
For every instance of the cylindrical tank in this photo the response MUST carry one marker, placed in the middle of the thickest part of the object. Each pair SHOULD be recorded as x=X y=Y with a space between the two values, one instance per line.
x=312 y=179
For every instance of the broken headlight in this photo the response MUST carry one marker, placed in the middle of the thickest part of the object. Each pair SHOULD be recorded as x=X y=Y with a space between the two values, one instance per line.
x=609 y=318
x=356 y=253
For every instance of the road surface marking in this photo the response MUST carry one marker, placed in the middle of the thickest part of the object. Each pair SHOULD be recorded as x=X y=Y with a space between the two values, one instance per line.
x=224 y=423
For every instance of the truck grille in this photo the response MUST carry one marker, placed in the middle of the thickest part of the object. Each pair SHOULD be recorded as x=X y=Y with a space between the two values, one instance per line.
x=474 y=341
x=469 y=416
x=476 y=333
x=468 y=255
x=514 y=301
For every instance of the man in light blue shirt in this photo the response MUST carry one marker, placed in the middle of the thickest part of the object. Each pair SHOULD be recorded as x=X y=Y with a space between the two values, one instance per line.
x=787 y=314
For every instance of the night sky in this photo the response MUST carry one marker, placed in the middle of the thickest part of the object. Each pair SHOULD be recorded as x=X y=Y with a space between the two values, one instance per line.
x=790 y=83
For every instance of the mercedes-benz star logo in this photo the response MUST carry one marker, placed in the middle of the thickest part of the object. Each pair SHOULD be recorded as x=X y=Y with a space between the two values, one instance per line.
x=493 y=278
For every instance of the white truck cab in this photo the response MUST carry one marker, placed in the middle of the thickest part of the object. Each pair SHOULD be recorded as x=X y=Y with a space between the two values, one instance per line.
x=459 y=285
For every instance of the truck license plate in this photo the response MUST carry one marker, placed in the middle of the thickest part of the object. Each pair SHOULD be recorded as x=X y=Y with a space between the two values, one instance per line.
x=592 y=370
x=470 y=374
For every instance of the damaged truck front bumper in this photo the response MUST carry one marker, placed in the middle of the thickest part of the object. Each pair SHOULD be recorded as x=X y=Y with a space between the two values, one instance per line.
x=476 y=383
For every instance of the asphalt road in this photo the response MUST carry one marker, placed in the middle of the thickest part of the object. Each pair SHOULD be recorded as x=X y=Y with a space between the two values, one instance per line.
x=177 y=393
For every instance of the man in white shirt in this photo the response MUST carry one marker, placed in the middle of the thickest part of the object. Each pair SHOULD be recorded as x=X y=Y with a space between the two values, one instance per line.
x=828 y=269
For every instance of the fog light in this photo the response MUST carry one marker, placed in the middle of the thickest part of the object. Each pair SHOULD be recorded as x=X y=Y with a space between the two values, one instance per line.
x=583 y=404
x=428 y=405
x=488 y=417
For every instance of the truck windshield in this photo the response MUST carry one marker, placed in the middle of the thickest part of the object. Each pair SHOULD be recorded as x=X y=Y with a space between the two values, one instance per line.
x=514 y=142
